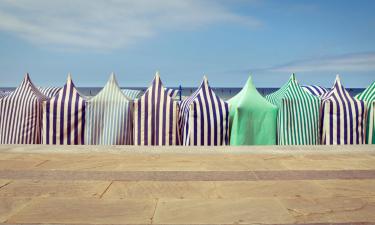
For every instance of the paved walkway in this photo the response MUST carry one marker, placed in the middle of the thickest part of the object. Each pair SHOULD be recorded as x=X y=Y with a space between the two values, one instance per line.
x=177 y=185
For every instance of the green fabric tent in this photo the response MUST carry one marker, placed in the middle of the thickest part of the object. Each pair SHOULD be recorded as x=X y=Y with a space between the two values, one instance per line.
x=252 y=118
x=298 y=115
x=368 y=96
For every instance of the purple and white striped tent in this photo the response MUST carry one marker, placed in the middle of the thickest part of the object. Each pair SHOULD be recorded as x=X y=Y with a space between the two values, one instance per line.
x=204 y=118
x=21 y=114
x=343 y=118
x=315 y=90
x=64 y=117
x=49 y=91
x=156 y=117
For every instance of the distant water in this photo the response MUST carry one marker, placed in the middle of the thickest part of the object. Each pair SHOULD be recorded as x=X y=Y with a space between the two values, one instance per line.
x=222 y=92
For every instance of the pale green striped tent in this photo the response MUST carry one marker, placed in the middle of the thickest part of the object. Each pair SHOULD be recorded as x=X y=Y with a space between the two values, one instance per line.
x=298 y=116
x=109 y=117
x=252 y=118
x=368 y=96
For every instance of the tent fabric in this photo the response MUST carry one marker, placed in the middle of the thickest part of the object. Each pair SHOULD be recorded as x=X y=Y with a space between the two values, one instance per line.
x=49 y=91
x=4 y=93
x=109 y=117
x=342 y=117
x=315 y=90
x=21 y=114
x=253 y=119
x=174 y=93
x=368 y=96
x=156 y=117
x=204 y=118
x=64 y=117
x=132 y=94
x=298 y=115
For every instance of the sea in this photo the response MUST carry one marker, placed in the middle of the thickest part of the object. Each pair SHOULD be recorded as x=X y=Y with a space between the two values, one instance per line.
x=223 y=92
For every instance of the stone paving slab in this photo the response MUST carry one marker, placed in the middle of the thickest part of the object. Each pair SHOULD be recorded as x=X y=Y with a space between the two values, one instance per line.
x=175 y=185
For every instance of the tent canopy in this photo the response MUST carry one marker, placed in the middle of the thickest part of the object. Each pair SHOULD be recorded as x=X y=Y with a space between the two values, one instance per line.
x=109 y=116
x=156 y=117
x=204 y=118
x=342 y=117
x=252 y=117
x=20 y=115
x=368 y=96
x=315 y=90
x=298 y=115
x=64 y=116
x=49 y=91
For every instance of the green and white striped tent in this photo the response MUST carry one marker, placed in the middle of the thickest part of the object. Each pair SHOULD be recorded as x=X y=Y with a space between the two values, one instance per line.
x=109 y=117
x=252 y=118
x=368 y=96
x=298 y=116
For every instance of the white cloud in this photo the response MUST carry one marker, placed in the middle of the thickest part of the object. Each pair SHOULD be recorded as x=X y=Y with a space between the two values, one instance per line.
x=348 y=62
x=108 y=24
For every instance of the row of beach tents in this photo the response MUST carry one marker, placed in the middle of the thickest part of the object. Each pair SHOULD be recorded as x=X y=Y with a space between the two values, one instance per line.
x=293 y=115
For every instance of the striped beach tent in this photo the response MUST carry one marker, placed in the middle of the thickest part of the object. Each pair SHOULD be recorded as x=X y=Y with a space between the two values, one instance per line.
x=253 y=120
x=315 y=90
x=204 y=118
x=109 y=117
x=64 y=117
x=156 y=117
x=49 y=91
x=132 y=94
x=342 y=117
x=21 y=115
x=298 y=115
x=174 y=93
x=368 y=95
x=4 y=93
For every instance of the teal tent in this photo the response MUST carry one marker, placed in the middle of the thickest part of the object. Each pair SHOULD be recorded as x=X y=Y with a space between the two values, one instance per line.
x=252 y=118
x=368 y=96
x=298 y=116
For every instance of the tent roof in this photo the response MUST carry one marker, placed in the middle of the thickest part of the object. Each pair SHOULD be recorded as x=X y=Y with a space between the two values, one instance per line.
x=69 y=82
x=156 y=82
x=336 y=90
x=27 y=84
x=110 y=89
x=249 y=93
x=368 y=94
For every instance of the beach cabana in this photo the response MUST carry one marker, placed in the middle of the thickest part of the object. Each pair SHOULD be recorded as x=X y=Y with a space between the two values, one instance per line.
x=342 y=117
x=298 y=115
x=20 y=115
x=156 y=117
x=174 y=93
x=49 y=91
x=64 y=117
x=368 y=96
x=315 y=90
x=109 y=117
x=132 y=94
x=204 y=118
x=252 y=118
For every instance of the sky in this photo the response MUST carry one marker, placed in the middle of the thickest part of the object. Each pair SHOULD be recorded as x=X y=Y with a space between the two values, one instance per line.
x=225 y=40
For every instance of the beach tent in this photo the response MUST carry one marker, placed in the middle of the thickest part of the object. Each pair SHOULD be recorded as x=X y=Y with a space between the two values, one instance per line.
x=4 y=93
x=109 y=117
x=342 y=117
x=368 y=96
x=174 y=93
x=298 y=115
x=49 y=91
x=252 y=118
x=315 y=90
x=20 y=115
x=204 y=118
x=64 y=117
x=156 y=117
x=132 y=94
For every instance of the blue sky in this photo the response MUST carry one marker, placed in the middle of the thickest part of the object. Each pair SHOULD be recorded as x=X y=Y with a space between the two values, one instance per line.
x=226 y=40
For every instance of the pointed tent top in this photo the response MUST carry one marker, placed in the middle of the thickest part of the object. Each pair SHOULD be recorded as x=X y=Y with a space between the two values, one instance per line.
x=204 y=81
x=293 y=77
x=337 y=81
x=249 y=82
x=157 y=74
